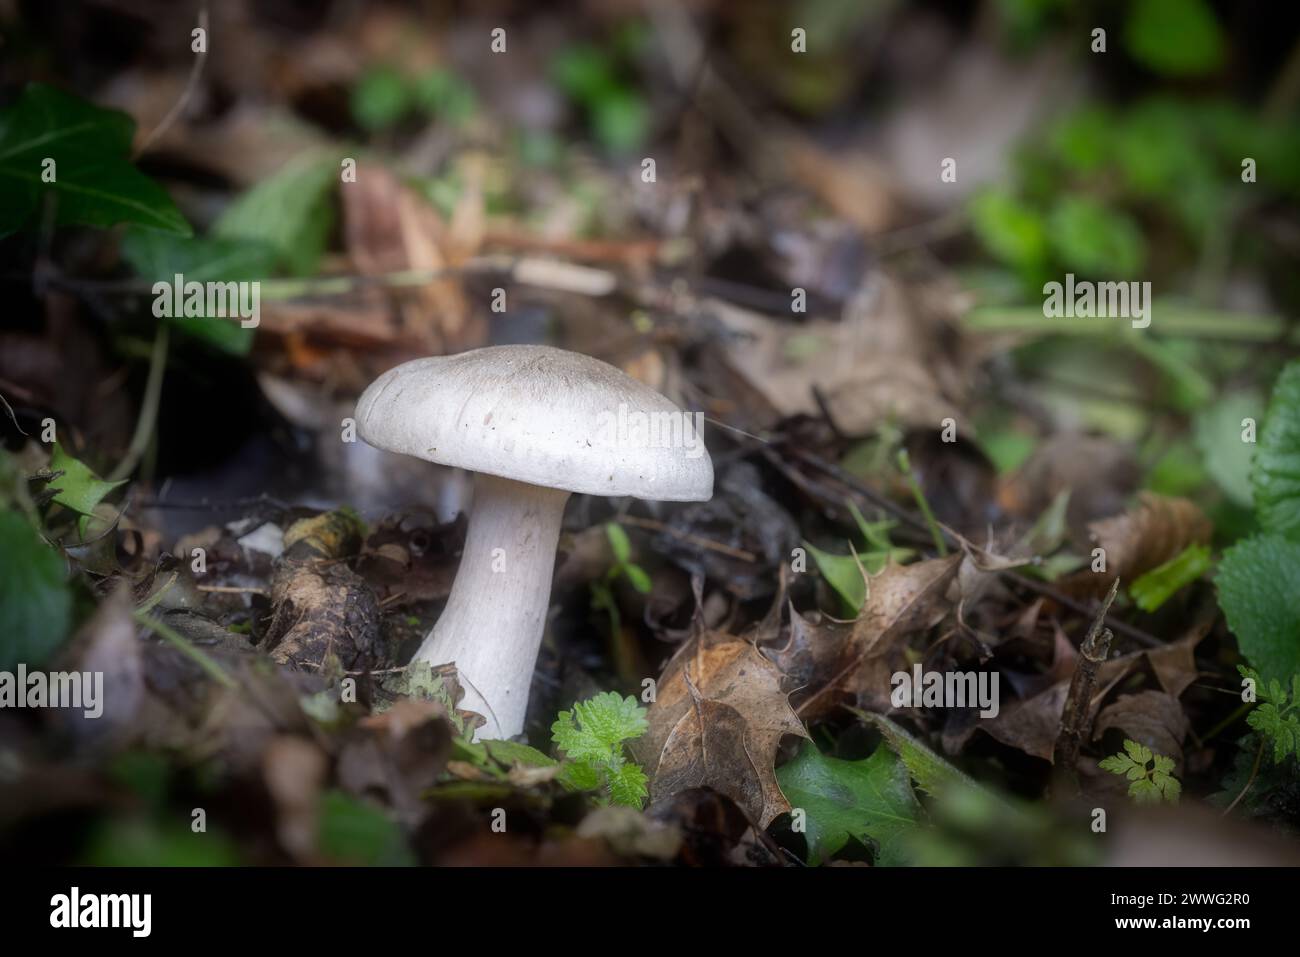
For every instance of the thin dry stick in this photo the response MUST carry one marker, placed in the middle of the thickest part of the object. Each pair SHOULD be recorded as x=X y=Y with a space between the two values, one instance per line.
x=1259 y=753
x=1074 y=719
x=233 y=589
x=191 y=84
x=708 y=543
x=908 y=518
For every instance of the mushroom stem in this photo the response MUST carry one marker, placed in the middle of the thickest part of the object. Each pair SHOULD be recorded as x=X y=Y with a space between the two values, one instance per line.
x=496 y=612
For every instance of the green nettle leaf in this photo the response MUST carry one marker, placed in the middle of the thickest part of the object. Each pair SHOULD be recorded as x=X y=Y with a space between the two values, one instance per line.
x=870 y=800
x=1259 y=592
x=80 y=489
x=84 y=153
x=1154 y=588
x=1228 y=459
x=35 y=605
x=202 y=259
x=591 y=737
x=1174 y=37
x=1093 y=239
x=290 y=212
x=1276 y=476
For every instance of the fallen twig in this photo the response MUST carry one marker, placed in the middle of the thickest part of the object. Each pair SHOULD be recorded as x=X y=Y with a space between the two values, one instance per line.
x=1075 y=723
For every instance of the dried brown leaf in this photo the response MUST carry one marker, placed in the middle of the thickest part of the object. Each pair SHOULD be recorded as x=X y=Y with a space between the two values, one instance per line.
x=717 y=721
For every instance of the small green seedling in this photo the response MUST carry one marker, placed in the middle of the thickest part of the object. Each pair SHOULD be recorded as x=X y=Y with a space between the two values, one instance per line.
x=591 y=737
x=1150 y=775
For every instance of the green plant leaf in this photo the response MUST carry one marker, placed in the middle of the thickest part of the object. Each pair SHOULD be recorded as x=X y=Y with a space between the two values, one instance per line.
x=1174 y=37
x=290 y=212
x=628 y=785
x=1276 y=475
x=933 y=774
x=1259 y=592
x=1217 y=429
x=80 y=489
x=870 y=800
x=843 y=573
x=445 y=95
x=35 y=604
x=353 y=832
x=380 y=98
x=510 y=753
x=1009 y=229
x=591 y=737
x=94 y=181
x=157 y=258
x=1096 y=240
x=618 y=542
x=1154 y=588
x=639 y=578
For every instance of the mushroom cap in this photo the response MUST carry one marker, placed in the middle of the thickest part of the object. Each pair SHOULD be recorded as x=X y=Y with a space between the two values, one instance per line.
x=543 y=416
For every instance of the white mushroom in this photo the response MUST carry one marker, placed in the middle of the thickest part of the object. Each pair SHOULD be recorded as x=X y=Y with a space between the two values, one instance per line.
x=537 y=423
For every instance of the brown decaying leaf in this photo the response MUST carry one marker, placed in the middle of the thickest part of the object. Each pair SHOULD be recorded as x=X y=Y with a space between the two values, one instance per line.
x=717 y=721
x=1153 y=718
x=106 y=645
x=1136 y=541
x=396 y=755
x=1032 y=725
x=388 y=228
x=294 y=771
x=851 y=662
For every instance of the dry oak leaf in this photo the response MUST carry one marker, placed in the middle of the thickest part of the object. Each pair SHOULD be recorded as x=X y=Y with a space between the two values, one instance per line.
x=839 y=659
x=718 y=718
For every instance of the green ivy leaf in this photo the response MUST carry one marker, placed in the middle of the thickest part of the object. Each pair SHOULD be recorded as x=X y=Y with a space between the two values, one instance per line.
x=1276 y=476
x=1154 y=588
x=95 y=183
x=35 y=605
x=290 y=212
x=156 y=258
x=870 y=800
x=1259 y=592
